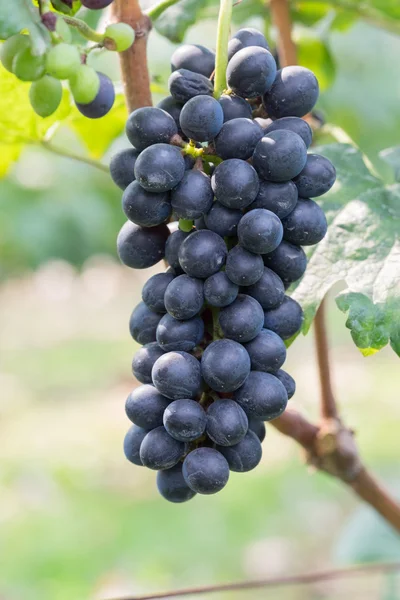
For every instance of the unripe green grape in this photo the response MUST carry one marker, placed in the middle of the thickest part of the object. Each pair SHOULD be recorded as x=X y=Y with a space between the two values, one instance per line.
x=11 y=47
x=28 y=67
x=121 y=34
x=63 y=30
x=62 y=61
x=84 y=84
x=45 y=95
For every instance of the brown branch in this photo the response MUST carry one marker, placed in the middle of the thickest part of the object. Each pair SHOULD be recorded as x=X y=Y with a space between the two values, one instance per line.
x=280 y=13
x=287 y=580
x=328 y=403
x=135 y=73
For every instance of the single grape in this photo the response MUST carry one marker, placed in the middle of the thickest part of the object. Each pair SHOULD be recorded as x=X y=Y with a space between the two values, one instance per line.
x=235 y=107
x=262 y=396
x=154 y=289
x=185 y=420
x=245 y=455
x=159 y=168
x=294 y=124
x=11 y=47
x=173 y=108
x=172 y=486
x=102 y=103
x=288 y=382
x=251 y=72
x=287 y=260
x=193 y=57
x=205 y=471
x=243 y=267
x=279 y=198
x=143 y=324
x=222 y=220
x=132 y=443
x=173 y=334
x=201 y=118
x=145 y=407
x=28 y=67
x=184 y=85
x=225 y=365
x=219 y=290
x=148 y=125
x=280 y=156
x=286 y=319
x=244 y=38
x=121 y=34
x=269 y=290
x=144 y=360
x=177 y=375
x=144 y=208
x=306 y=225
x=242 y=320
x=227 y=422
x=122 y=167
x=260 y=231
x=45 y=95
x=184 y=297
x=63 y=60
x=96 y=4
x=84 y=84
x=258 y=427
x=202 y=254
x=160 y=451
x=140 y=247
x=172 y=247
x=317 y=177
x=235 y=183
x=267 y=351
x=193 y=195
x=238 y=139
x=293 y=93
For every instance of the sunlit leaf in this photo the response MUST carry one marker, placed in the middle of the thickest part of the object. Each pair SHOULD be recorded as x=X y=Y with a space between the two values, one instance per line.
x=314 y=54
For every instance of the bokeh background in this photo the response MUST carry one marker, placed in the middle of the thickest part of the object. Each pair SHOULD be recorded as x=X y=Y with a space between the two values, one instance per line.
x=77 y=521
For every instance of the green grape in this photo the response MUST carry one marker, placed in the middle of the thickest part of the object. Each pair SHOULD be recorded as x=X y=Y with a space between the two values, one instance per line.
x=28 y=67
x=11 y=47
x=63 y=30
x=62 y=61
x=121 y=34
x=84 y=84
x=45 y=95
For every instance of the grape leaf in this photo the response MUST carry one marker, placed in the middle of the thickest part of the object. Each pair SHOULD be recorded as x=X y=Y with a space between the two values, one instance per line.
x=23 y=15
x=362 y=248
x=175 y=21
x=19 y=125
x=392 y=157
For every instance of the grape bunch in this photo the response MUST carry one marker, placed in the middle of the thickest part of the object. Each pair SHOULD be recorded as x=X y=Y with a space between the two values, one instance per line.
x=93 y=92
x=225 y=200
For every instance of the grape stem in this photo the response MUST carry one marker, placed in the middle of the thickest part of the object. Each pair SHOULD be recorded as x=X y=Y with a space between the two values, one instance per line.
x=134 y=70
x=84 y=29
x=330 y=446
x=221 y=58
x=156 y=11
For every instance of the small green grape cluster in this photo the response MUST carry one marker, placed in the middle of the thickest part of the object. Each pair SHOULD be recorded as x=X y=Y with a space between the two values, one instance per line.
x=92 y=91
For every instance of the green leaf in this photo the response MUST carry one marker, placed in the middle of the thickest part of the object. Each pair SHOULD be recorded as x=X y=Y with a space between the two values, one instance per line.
x=315 y=54
x=309 y=13
x=19 y=124
x=23 y=15
x=392 y=157
x=361 y=248
x=98 y=135
x=175 y=21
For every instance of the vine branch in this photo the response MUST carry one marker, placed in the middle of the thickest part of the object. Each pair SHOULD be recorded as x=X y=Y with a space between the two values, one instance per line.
x=221 y=58
x=330 y=446
x=79 y=158
x=134 y=70
x=287 y=580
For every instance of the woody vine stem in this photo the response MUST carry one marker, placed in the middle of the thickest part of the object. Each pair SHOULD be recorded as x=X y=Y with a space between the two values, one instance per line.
x=329 y=445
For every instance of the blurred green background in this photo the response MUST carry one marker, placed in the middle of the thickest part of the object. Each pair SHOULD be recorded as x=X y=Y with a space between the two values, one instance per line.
x=77 y=520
